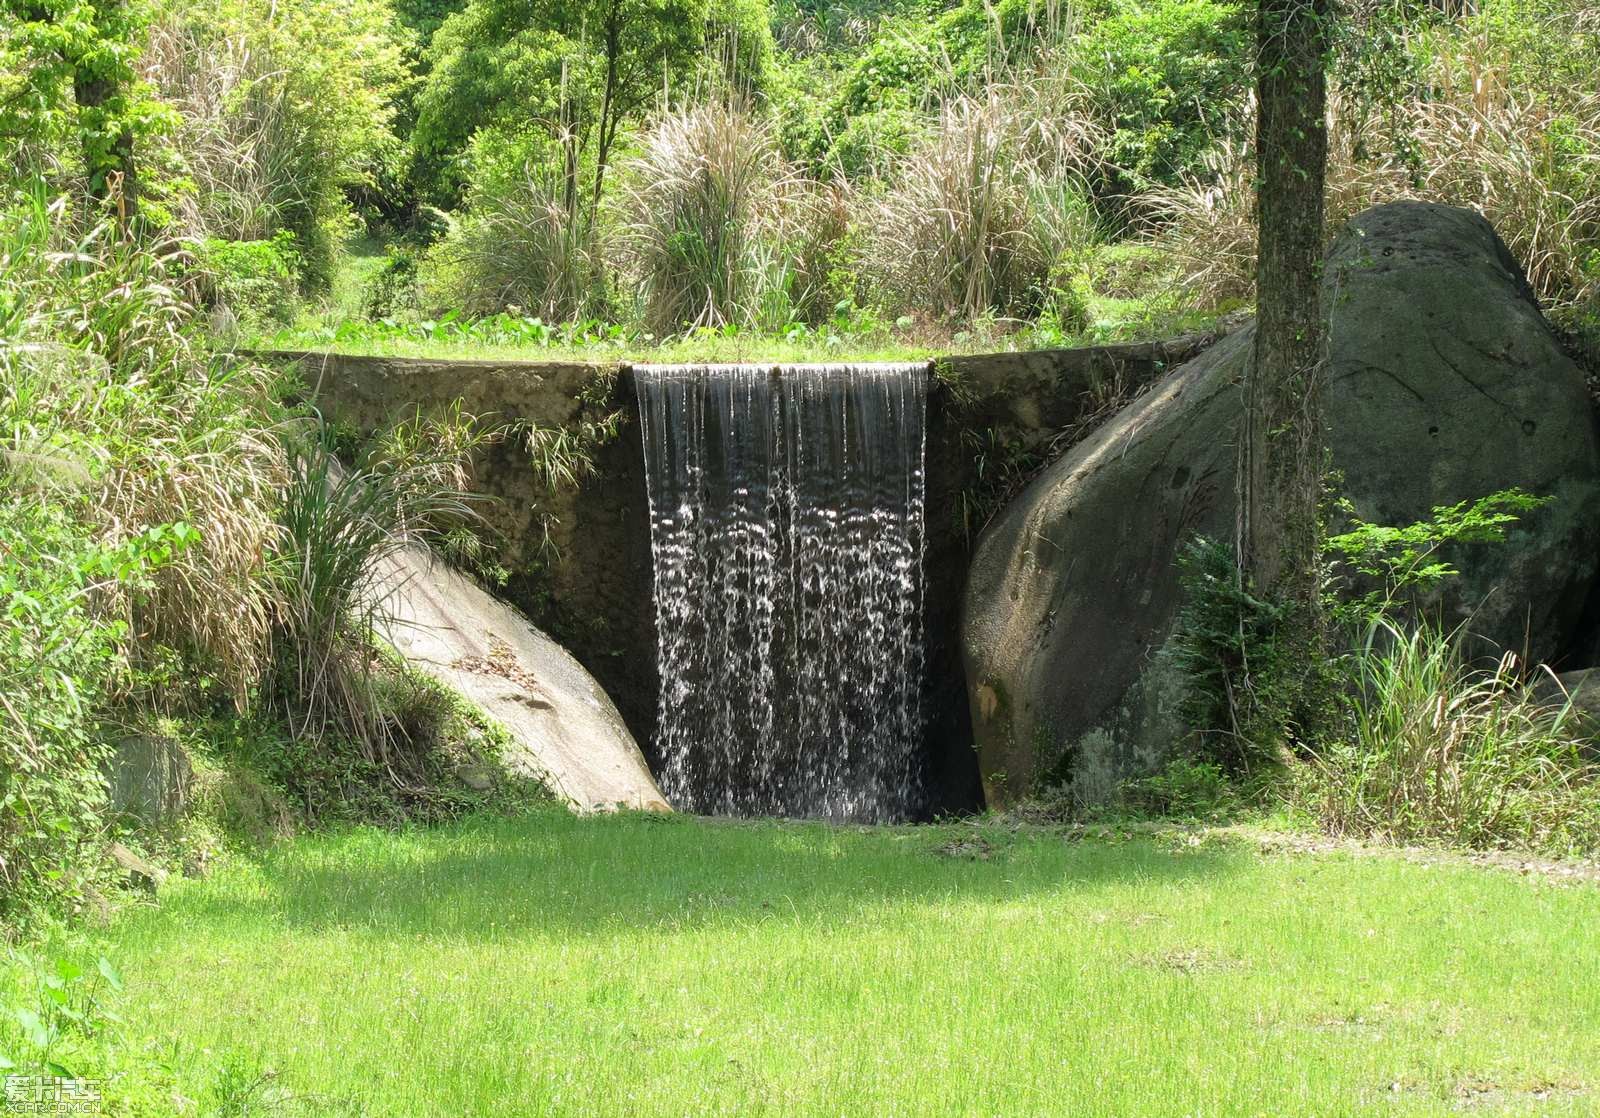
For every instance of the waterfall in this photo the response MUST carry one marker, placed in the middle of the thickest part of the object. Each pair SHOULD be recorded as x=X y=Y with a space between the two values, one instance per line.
x=786 y=527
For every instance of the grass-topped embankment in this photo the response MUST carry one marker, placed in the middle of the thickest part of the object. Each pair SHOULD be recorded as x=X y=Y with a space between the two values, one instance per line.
x=645 y=965
x=518 y=337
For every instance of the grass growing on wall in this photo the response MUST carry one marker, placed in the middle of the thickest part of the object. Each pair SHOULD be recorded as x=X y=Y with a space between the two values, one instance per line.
x=646 y=965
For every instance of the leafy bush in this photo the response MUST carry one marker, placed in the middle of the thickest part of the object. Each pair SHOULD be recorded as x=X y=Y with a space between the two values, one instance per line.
x=56 y=658
x=252 y=279
x=1171 y=77
x=133 y=485
x=54 y=1012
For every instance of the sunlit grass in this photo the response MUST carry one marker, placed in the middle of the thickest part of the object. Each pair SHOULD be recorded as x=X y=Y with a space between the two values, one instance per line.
x=1114 y=321
x=617 y=345
x=640 y=965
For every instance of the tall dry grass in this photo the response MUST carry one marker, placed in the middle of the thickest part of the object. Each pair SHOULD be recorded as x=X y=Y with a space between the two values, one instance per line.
x=237 y=132
x=986 y=212
x=524 y=241
x=700 y=198
x=1528 y=160
x=107 y=393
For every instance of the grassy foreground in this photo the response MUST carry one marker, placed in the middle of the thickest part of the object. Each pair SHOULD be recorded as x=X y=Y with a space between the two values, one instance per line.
x=643 y=966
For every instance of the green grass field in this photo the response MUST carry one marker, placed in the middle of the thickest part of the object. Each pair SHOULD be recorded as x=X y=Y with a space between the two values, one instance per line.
x=671 y=966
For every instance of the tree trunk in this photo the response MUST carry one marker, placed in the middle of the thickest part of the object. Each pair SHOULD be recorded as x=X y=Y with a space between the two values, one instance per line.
x=608 y=109
x=1281 y=451
x=111 y=172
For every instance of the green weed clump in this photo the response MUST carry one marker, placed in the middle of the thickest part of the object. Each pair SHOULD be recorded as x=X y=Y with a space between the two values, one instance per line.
x=1437 y=748
x=1405 y=734
x=337 y=526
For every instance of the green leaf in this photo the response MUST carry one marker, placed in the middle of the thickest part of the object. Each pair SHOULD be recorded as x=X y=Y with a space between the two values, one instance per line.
x=110 y=973
x=32 y=1028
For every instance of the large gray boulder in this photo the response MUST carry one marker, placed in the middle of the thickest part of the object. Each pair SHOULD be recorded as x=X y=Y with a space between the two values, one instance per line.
x=1445 y=383
x=565 y=731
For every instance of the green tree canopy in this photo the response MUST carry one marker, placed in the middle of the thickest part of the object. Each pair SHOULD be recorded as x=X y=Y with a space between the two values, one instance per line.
x=577 y=67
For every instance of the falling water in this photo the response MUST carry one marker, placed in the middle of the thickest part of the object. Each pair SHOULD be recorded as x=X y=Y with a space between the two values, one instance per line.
x=786 y=523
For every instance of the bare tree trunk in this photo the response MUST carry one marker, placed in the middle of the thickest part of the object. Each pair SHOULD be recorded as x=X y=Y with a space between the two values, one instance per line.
x=1281 y=451
x=609 y=108
x=111 y=173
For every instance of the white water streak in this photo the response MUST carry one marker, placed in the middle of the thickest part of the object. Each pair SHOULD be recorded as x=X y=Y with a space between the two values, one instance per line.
x=786 y=525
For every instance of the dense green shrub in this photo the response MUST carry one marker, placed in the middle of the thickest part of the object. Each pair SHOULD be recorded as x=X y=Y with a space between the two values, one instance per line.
x=1171 y=77
x=56 y=657
x=252 y=279
x=1412 y=737
x=1184 y=789
x=1231 y=648
x=131 y=484
x=163 y=559
x=285 y=107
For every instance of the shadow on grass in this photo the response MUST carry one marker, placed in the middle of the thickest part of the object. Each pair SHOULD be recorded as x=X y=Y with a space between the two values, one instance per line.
x=612 y=875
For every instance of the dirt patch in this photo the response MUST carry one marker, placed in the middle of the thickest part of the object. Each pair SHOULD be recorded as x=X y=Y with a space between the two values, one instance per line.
x=1191 y=961
x=1557 y=870
x=1475 y=1093
x=974 y=849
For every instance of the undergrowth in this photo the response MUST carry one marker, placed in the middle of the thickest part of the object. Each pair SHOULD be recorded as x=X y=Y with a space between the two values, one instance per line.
x=1413 y=737
x=178 y=550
